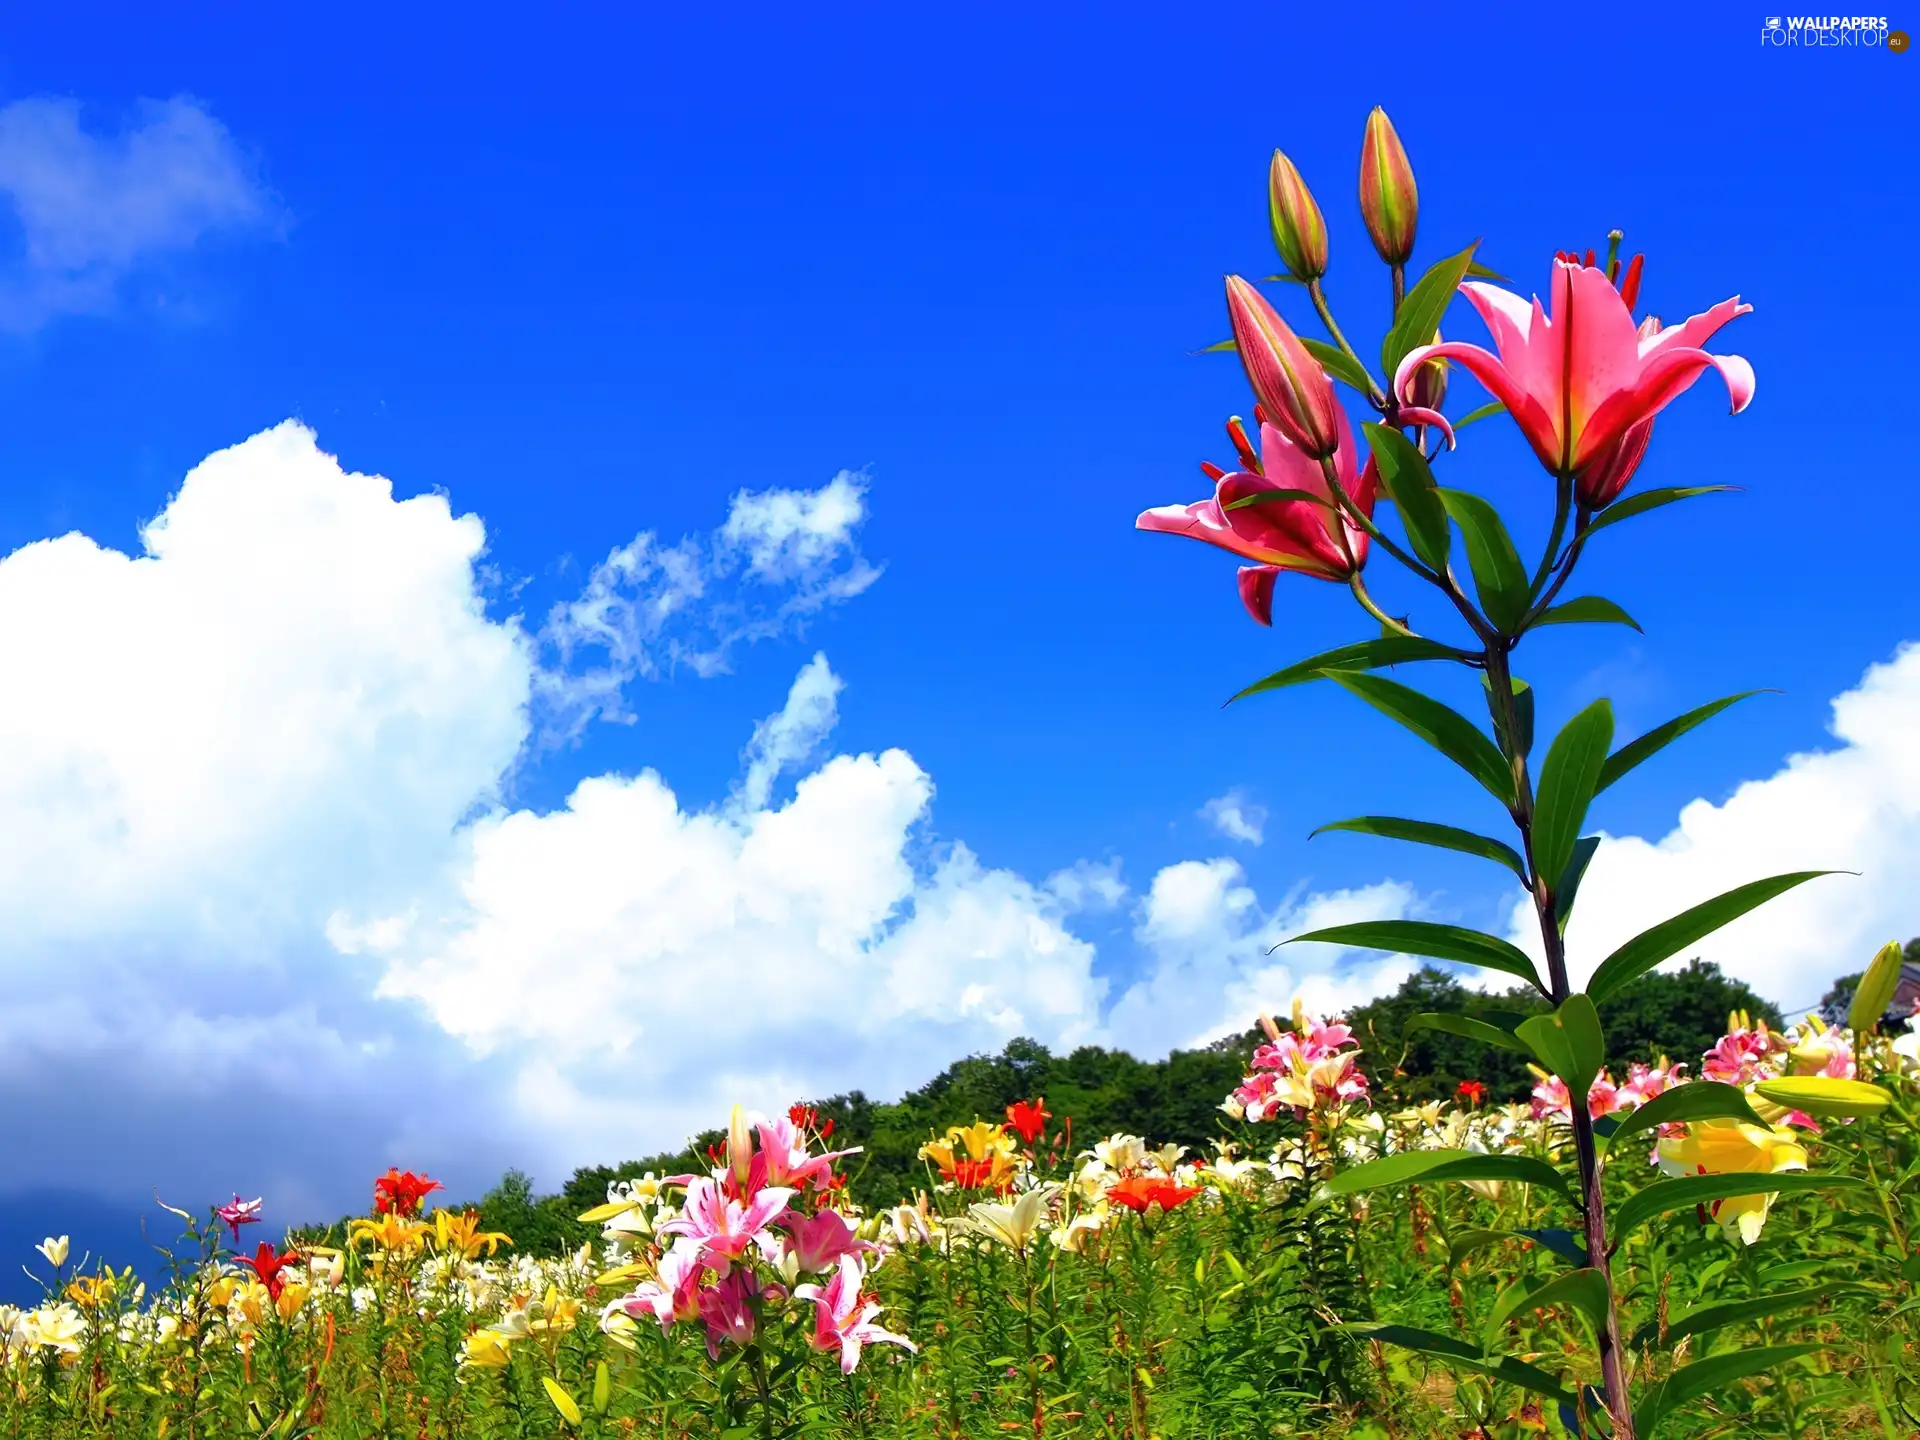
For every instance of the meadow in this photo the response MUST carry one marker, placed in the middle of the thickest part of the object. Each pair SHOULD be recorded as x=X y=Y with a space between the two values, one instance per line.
x=1117 y=1289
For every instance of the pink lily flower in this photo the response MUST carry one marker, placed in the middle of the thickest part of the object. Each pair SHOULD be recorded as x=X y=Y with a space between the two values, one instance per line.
x=728 y=1310
x=1577 y=381
x=818 y=1240
x=674 y=1293
x=784 y=1147
x=843 y=1317
x=726 y=1228
x=1281 y=534
x=240 y=1212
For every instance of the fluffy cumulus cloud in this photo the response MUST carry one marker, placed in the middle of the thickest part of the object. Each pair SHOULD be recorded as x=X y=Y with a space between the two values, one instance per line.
x=289 y=708
x=1855 y=806
x=91 y=207
x=652 y=963
x=1212 y=959
x=206 y=747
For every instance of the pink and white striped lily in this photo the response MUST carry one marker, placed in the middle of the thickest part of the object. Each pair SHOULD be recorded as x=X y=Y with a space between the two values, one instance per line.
x=843 y=1317
x=726 y=1228
x=1579 y=374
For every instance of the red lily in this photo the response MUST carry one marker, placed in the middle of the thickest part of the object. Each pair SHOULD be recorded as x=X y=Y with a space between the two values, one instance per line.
x=267 y=1263
x=1029 y=1117
x=1577 y=381
x=1138 y=1192
x=400 y=1192
x=1307 y=535
x=1471 y=1091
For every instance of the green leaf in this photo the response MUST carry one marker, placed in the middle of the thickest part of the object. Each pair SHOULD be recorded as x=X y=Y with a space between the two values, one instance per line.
x=1340 y=365
x=1497 y=572
x=1567 y=888
x=1690 y=1190
x=1420 y=311
x=1700 y=1100
x=1228 y=344
x=1825 y=1096
x=1483 y=273
x=1445 y=837
x=1262 y=497
x=1400 y=1169
x=1649 y=500
x=1584 y=1289
x=1702 y=1377
x=1569 y=1043
x=1656 y=739
x=1423 y=937
x=1874 y=993
x=1703 y=1318
x=1670 y=937
x=1365 y=655
x=1479 y=412
x=1568 y=781
x=1462 y=1355
x=1586 y=610
x=1446 y=729
x=1409 y=484
x=1467 y=1027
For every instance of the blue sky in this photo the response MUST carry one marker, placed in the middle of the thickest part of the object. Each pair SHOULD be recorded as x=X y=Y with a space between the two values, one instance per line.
x=595 y=274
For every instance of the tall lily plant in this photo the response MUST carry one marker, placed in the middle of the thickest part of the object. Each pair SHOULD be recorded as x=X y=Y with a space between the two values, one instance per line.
x=1584 y=379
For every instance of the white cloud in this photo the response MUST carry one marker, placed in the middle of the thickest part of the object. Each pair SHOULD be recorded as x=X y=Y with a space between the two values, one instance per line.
x=792 y=734
x=1236 y=817
x=667 y=962
x=1207 y=938
x=1854 y=807
x=284 y=704
x=92 y=207
x=649 y=608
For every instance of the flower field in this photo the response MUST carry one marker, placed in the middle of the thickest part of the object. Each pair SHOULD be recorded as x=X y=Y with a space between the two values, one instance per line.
x=1329 y=1282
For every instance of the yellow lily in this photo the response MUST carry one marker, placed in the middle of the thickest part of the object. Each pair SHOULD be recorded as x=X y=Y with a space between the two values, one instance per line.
x=1728 y=1147
x=395 y=1234
x=461 y=1232
x=486 y=1350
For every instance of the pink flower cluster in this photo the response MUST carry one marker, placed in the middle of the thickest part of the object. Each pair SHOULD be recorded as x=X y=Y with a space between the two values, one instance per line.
x=1745 y=1054
x=1313 y=1066
x=1604 y=1096
x=746 y=1232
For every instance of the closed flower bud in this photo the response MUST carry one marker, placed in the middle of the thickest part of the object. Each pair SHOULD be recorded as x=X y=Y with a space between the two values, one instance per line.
x=1296 y=396
x=1389 y=201
x=1299 y=232
x=1429 y=385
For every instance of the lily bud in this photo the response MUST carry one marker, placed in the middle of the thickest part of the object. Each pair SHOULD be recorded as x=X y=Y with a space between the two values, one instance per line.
x=1389 y=201
x=739 y=1144
x=1299 y=232
x=1296 y=396
x=1874 y=993
x=1429 y=384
